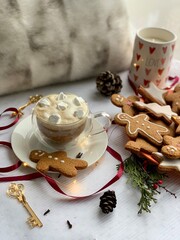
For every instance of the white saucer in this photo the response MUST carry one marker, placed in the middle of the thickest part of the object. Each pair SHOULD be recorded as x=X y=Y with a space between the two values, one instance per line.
x=23 y=141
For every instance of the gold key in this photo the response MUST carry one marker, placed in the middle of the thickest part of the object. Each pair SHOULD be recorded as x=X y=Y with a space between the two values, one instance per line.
x=32 y=99
x=16 y=191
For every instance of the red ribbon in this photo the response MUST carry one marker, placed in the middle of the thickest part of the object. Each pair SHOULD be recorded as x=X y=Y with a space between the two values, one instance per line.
x=14 y=110
x=51 y=181
x=12 y=167
x=174 y=79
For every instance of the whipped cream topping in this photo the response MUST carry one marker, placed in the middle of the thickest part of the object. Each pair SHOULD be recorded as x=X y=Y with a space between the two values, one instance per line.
x=61 y=108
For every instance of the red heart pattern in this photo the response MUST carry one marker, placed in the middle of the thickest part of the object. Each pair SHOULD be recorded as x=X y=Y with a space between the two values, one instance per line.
x=163 y=60
x=135 y=77
x=147 y=71
x=137 y=67
x=138 y=56
x=151 y=63
x=173 y=47
x=146 y=82
x=140 y=45
x=158 y=81
x=152 y=49
x=164 y=49
x=160 y=71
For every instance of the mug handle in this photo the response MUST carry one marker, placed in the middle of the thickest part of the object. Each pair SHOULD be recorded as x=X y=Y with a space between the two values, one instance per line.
x=107 y=122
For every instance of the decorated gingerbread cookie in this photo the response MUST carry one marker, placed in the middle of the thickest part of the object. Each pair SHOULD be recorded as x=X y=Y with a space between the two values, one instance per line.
x=152 y=94
x=173 y=97
x=140 y=125
x=171 y=149
x=139 y=145
x=162 y=112
x=125 y=103
x=176 y=120
x=57 y=161
x=169 y=165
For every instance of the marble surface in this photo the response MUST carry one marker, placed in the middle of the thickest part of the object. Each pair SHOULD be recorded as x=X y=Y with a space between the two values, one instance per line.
x=85 y=215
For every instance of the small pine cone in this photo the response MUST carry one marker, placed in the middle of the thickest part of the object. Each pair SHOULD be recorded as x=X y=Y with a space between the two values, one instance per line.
x=108 y=201
x=108 y=83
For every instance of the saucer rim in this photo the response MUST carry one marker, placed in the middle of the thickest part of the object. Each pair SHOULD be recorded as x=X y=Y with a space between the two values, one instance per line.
x=17 y=148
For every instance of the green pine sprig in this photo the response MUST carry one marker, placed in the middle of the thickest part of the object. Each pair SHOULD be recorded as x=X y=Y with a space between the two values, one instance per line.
x=146 y=179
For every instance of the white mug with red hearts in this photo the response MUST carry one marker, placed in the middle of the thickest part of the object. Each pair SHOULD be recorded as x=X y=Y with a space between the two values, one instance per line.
x=152 y=56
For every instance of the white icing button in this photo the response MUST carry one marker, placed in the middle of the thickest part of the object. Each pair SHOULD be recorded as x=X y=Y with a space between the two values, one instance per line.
x=62 y=96
x=148 y=127
x=62 y=106
x=36 y=154
x=54 y=118
x=79 y=113
x=49 y=156
x=62 y=161
x=55 y=158
x=137 y=121
x=78 y=100
x=39 y=151
x=44 y=102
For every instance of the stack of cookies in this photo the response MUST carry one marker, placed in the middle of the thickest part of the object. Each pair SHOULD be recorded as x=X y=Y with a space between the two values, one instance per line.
x=152 y=123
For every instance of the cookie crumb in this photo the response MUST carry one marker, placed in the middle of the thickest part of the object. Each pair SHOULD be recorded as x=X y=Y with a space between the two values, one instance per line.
x=59 y=175
x=46 y=212
x=69 y=224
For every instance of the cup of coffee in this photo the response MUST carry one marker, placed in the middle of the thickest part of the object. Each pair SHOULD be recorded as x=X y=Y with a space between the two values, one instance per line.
x=64 y=119
x=152 y=56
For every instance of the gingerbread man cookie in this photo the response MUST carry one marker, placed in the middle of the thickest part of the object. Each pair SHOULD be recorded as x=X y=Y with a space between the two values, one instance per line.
x=140 y=145
x=173 y=97
x=140 y=125
x=172 y=147
x=125 y=103
x=57 y=161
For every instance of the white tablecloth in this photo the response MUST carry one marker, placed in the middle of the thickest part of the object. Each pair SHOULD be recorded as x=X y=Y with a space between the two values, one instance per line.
x=88 y=222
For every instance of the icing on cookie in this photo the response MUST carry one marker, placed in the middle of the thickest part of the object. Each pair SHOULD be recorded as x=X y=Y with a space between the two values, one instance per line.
x=156 y=109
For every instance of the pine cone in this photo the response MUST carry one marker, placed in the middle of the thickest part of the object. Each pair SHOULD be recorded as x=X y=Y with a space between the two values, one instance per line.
x=108 y=201
x=108 y=83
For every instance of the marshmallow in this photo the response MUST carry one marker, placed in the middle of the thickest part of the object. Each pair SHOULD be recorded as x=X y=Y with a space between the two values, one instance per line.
x=78 y=100
x=54 y=118
x=62 y=105
x=79 y=113
x=44 y=102
x=62 y=96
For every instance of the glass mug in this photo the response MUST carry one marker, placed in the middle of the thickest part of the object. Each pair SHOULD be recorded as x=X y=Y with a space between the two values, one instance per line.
x=64 y=120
